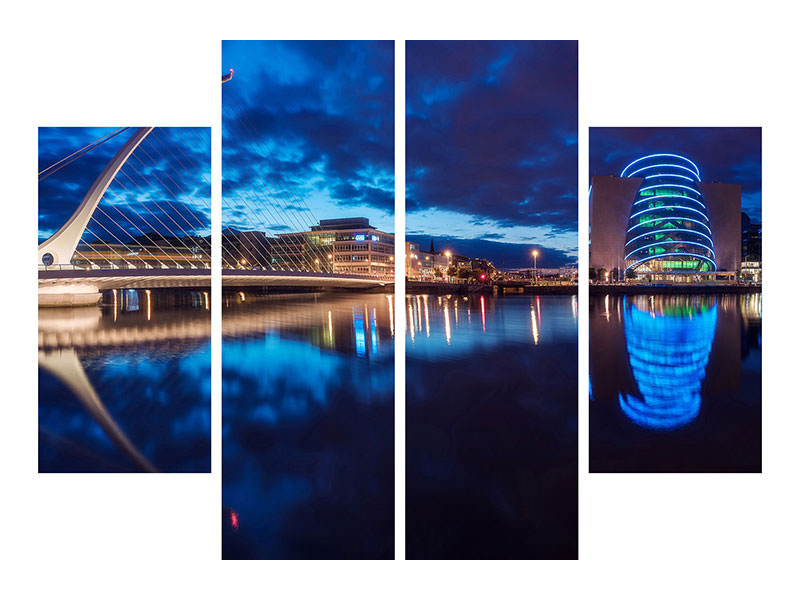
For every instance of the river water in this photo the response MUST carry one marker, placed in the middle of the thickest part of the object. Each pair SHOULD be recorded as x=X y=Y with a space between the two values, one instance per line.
x=308 y=426
x=491 y=421
x=675 y=383
x=125 y=386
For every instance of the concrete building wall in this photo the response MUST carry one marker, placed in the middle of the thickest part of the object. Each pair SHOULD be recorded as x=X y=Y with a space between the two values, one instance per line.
x=724 y=204
x=609 y=209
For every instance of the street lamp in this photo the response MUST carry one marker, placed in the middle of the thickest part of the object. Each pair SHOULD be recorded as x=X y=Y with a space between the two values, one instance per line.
x=448 y=254
x=535 y=253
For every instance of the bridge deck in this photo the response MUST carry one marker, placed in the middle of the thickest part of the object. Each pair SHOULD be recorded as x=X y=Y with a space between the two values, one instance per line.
x=107 y=279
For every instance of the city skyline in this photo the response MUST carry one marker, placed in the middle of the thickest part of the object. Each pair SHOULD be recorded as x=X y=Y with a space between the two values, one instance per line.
x=491 y=147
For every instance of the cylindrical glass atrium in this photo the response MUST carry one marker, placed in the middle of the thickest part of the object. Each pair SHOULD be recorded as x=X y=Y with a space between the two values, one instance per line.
x=669 y=231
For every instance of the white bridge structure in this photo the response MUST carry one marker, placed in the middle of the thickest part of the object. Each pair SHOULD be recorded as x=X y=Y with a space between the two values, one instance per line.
x=144 y=224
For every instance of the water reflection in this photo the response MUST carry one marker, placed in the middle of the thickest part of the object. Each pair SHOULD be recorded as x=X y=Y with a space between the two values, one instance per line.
x=126 y=386
x=308 y=463
x=668 y=341
x=491 y=427
x=675 y=383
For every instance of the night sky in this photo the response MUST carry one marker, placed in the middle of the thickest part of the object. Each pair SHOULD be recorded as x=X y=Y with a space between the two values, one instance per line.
x=491 y=159
x=723 y=154
x=171 y=165
x=307 y=125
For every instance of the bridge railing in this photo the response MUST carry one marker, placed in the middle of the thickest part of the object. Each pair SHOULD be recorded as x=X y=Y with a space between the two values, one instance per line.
x=71 y=267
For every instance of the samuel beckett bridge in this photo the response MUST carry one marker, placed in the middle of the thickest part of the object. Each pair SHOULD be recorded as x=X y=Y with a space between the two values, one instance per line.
x=270 y=234
x=145 y=223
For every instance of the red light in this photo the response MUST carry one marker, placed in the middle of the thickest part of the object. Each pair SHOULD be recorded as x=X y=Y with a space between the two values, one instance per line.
x=234 y=520
x=483 y=275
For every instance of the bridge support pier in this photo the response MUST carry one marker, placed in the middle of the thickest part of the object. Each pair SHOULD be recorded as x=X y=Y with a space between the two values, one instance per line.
x=68 y=294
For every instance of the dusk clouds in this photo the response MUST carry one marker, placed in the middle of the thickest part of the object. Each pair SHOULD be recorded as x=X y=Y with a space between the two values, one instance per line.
x=491 y=134
x=308 y=127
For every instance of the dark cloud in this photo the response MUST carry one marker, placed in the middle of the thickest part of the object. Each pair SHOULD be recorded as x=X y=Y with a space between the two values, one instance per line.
x=725 y=154
x=312 y=122
x=491 y=131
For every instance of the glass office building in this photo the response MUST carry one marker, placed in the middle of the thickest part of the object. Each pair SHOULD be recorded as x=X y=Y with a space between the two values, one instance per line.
x=669 y=232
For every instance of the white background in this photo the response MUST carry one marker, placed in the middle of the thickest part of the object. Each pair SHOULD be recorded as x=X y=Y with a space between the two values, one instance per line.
x=158 y=63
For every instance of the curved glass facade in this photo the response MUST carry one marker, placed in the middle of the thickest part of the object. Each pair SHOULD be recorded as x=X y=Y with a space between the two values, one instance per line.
x=668 y=228
x=669 y=341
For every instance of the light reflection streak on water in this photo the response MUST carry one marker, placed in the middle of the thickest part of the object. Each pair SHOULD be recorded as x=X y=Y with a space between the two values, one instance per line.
x=427 y=318
x=517 y=320
x=410 y=325
x=358 y=328
x=419 y=312
x=447 y=321
x=668 y=348
x=391 y=315
x=374 y=331
x=539 y=310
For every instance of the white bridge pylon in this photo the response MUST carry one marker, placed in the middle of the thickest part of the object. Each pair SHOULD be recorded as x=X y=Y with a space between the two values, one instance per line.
x=59 y=248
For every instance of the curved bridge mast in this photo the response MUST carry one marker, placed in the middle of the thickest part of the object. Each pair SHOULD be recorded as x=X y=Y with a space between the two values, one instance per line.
x=59 y=247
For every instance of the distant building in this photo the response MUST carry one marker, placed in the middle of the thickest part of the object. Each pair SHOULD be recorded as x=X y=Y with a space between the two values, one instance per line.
x=245 y=249
x=658 y=221
x=751 y=250
x=336 y=245
x=425 y=265
x=146 y=251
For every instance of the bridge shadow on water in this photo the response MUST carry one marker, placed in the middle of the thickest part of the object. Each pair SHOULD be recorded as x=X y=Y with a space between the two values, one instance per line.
x=126 y=386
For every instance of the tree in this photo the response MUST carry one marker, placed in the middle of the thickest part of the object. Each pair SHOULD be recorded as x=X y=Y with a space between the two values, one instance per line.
x=437 y=272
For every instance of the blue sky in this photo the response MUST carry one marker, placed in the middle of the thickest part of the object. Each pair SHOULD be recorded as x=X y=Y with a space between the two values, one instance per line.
x=723 y=154
x=308 y=133
x=491 y=160
x=166 y=178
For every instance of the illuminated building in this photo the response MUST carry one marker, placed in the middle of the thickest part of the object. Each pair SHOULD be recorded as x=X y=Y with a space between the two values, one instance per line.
x=668 y=228
x=658 y=220
x=153 y=251
x=348 y=245
x=425 y=265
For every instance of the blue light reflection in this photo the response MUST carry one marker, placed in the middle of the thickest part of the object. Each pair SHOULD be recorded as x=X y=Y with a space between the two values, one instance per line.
x=668 y=350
